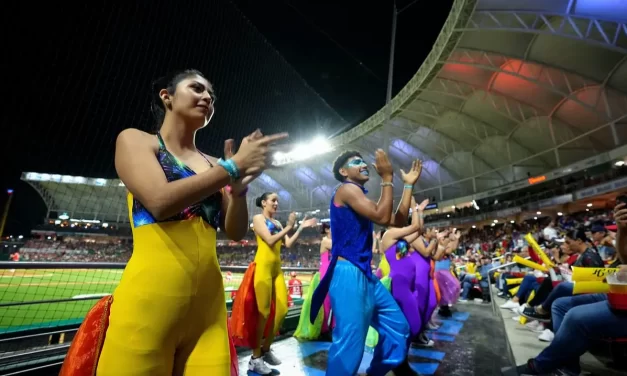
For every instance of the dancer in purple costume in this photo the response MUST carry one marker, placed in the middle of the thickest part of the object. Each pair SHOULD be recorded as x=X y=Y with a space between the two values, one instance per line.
x=396 y=242
x=448 y=283
x=424 y=290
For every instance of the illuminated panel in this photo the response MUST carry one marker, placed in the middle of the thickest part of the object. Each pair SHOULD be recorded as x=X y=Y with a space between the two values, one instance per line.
x=269 y=182
x=285 y=196
x=607 y=9
x=306 y=175
x=536 y=179
x=429 y=167
x=323 y=192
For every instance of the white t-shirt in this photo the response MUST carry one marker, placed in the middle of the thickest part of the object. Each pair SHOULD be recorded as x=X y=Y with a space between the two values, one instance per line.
x=550 y=233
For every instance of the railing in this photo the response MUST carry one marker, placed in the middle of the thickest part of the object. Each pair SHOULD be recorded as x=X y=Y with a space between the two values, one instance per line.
x=35 y=335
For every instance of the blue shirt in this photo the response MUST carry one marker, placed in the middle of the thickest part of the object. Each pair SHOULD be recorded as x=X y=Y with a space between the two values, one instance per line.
x=351 y=235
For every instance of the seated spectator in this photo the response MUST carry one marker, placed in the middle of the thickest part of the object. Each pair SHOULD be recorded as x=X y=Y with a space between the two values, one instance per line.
x=578 y=242
x=578 y=320
x=482 y=276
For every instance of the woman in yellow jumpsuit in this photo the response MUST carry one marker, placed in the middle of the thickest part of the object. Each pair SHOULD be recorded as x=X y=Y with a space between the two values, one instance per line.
x=168 y=315
x=268 y=281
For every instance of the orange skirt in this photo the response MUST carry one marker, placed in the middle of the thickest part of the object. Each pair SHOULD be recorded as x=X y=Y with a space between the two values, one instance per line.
x=245 y=315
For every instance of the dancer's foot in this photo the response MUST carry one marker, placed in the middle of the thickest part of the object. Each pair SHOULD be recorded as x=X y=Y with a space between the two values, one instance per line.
x=271 y=359
x=404 y=369
x=445 y=311
x=432 y=326
x=257 y=365
x=422 y=341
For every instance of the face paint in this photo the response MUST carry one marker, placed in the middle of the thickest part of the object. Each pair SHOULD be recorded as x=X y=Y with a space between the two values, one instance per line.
x=356 y=163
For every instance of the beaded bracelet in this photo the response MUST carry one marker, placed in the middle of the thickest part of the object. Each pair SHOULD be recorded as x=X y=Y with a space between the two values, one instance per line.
x=230 y=167
x=409 y=186
x=387 y=184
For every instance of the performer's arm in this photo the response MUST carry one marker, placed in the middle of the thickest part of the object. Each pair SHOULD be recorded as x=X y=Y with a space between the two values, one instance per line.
x=234 y=210
x=419 y=246
x=351 y=195
x=260 y=228
x=138 y=168
x=392 y=235
x=620 y=215
x=290 y=240
x=399 y=219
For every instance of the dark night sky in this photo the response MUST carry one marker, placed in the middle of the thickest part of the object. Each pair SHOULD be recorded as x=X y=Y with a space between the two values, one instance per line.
x=76 y=76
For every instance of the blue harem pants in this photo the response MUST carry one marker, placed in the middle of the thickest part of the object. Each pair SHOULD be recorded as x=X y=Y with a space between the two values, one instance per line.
x=359 y=301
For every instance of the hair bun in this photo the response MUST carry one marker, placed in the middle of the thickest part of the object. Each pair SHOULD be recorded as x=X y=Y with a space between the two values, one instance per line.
x=258 y=201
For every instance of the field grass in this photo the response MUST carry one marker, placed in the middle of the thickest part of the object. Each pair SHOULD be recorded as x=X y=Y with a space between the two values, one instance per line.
x=42 y=284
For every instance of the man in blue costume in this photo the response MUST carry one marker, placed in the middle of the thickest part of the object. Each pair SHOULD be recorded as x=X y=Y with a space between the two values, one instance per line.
x=358 y=299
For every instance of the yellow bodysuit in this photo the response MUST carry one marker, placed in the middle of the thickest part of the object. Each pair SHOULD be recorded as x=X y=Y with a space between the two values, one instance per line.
x=168 y=315
x=269 y=282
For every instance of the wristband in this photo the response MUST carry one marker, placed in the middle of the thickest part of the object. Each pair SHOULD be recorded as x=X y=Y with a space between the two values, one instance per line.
x=230 y=167
x=409 y=186
x=387 y=184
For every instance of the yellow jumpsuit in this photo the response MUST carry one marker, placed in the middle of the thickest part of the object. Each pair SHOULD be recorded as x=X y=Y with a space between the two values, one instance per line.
x=269 y=282
x=168 y=315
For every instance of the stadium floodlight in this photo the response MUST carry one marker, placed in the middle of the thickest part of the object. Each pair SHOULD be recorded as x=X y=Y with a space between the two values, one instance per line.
x=300 y=152
x=560 y=214
x=64 y=216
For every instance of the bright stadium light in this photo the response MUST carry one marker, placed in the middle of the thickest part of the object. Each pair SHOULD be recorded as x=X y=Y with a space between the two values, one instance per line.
x=300 y=152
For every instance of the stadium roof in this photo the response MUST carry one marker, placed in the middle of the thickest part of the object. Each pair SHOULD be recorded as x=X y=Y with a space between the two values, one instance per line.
x=511 y=89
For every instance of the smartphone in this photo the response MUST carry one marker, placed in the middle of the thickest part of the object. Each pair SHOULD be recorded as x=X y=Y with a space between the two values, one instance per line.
x=622 y=199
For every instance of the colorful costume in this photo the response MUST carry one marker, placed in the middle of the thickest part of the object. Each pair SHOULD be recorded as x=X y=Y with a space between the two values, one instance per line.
x=449 y=285
x=324 y=266
x=268 y=280
x=424 y=289
x=307 y=330
x=358 y=300
x=168 y=314
x=403 y=275
x=245 y=315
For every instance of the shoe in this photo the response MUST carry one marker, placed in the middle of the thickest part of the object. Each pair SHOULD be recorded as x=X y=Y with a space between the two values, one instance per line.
x=510 y=305
x=271 y=359
x=546 y=336
x=478 y=300
x=404 y=369
x=432 y=326
x=532 y=314
x=423 y=341
x=445 y=311
x=516 y=318
x=462 y=300
x=518 y=310
x=535 y=326
x=257 y=365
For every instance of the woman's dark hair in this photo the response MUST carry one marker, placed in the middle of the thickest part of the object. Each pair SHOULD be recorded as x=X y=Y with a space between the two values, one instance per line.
x=261 y=198
x=580 y=234
x=340 y=161
x=168 y=82
x=325 y=227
